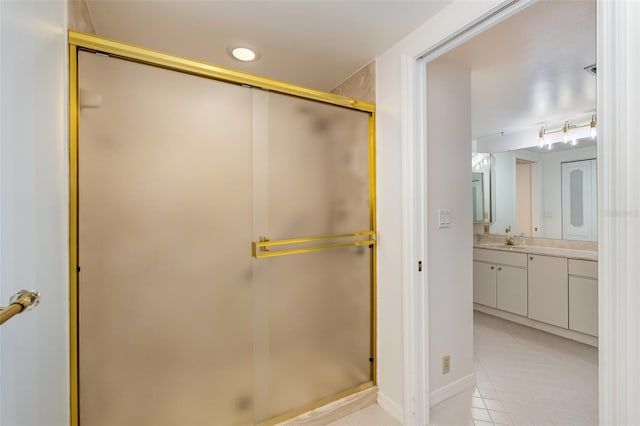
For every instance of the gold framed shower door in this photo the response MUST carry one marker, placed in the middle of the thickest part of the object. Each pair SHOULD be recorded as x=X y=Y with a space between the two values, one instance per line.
x=90 y=43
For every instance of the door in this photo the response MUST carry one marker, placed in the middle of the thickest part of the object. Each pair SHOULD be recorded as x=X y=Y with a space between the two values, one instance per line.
x=165 y=217
x=548 y=290
x=511 y=284
x=313 y=267
x=225 y=249
x=484 y=283
x=583 y=305
x=524 y=198
x=579 y=200
x=34 y=372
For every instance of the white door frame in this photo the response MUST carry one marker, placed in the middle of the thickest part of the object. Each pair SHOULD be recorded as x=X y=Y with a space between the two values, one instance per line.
x=415 y=209
x=618 y=210
x=618 y=44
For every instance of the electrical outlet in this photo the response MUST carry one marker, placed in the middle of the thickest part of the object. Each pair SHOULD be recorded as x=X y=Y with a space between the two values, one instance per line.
x=446 y=364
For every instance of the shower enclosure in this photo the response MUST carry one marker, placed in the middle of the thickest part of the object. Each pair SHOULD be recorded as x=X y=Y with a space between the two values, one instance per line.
x=222 y=242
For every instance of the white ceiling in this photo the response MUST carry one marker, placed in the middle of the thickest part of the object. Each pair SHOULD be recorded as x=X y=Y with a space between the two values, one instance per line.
x=312 y=43
x=529 y=69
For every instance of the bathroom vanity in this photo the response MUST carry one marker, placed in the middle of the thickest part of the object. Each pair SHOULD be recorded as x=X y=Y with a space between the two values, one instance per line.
x=544 y=201
x=548 y=288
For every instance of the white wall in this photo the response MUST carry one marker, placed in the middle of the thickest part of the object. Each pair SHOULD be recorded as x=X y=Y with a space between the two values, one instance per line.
x=34 y=365
x=389 y=220
x=450 y=261
x=393 y=144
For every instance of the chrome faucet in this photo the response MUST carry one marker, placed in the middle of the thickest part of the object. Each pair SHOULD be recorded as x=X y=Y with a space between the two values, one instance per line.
x=509 y=241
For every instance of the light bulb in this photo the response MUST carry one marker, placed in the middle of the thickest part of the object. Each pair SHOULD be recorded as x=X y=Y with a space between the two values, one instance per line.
x=566 y=138
x=594 y=132
x=549 y=147
x=574 y=142
x=541 y=135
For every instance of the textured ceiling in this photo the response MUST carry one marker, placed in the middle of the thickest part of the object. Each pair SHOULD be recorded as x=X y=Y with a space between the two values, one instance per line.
x=313 y=43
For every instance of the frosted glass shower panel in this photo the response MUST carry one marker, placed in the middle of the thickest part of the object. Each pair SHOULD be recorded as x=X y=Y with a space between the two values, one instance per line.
x=319 y=324
x=318 y=168
x=165 y=218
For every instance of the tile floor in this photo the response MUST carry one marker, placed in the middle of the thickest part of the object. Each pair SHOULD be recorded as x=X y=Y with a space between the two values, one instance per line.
x=523 y=377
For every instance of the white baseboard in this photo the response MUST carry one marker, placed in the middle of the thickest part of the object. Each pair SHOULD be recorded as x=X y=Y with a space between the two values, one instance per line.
x=390 y=407
x=558 y=331
x=451 y=389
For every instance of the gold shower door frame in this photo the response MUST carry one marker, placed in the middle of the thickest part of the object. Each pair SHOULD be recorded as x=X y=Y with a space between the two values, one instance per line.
x=91 y=43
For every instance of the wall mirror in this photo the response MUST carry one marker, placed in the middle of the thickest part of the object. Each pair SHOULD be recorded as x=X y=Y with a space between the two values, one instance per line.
x=477 y=189
x=537 y=89
x=481 y=187
x=546 y=192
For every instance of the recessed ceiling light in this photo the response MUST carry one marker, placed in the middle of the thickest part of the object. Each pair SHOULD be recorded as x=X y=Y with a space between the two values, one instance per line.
x=242 y=53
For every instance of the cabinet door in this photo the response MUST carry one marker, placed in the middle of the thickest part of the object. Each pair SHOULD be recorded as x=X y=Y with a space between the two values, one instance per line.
x=583 y=305
x=512 y=289
x=484 y=284
x=548 y=290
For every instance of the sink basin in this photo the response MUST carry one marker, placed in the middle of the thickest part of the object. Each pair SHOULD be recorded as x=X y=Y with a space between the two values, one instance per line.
x=502 y=246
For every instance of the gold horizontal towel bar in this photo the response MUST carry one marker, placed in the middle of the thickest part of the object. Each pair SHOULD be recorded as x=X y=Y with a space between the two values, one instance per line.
x=20 y=302
x=260 y=249
x=261 y=255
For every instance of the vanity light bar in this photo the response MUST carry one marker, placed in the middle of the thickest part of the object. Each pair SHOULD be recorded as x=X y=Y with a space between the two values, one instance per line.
x=567 y=126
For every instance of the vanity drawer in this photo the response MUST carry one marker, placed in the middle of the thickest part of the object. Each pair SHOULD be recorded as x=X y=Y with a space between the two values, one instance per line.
x=501 y=257
x=583 y=268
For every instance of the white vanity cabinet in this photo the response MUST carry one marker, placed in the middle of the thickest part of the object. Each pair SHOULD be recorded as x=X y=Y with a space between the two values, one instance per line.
x=500 y=280
x=583 y=296
x=512 y=290
x=554 y=290
x=484 y=283
x=548 y=290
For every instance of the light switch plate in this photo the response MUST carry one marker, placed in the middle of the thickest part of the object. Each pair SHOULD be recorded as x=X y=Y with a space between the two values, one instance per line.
x=444 y=218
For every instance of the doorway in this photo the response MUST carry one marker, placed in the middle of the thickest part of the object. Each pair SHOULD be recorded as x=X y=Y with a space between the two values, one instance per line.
x=475 y=65
x=524 y=197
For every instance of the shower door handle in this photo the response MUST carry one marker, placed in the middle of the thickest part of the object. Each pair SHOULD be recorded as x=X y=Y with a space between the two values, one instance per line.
x=261 y=249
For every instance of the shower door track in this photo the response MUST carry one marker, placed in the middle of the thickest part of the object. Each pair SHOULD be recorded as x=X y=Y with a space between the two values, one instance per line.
x=79 y=41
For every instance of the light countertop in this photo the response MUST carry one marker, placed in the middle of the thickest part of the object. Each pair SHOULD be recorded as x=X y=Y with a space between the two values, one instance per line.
x=545 y=251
